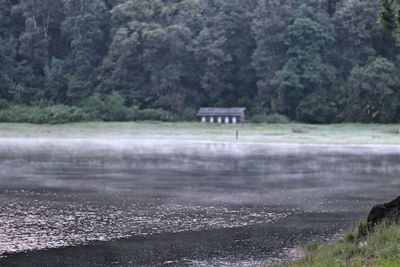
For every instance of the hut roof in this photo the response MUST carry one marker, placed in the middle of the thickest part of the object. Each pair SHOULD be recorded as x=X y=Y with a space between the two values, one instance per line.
x=238 y=111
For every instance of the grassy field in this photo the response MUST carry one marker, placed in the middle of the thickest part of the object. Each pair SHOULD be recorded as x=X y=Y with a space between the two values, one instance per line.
x=357 y=248
x=341 y=134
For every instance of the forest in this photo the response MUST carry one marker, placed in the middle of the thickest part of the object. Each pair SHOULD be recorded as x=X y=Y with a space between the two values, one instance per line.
x=313 y=61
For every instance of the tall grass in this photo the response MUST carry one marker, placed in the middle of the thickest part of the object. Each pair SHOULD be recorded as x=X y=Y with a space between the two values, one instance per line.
x=357 y=248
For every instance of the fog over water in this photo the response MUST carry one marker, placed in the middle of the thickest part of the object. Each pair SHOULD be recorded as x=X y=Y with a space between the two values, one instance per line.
x=179 y=203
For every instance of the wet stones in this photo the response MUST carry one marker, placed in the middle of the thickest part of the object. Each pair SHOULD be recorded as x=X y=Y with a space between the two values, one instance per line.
x=388 y=212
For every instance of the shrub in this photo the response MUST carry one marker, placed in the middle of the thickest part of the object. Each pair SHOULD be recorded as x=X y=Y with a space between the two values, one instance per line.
x=110 y=108
x=188 y=114
x=273 y=119
x=53 y=114
x=94 y=107
x=17 y=114
x=149 y=115
x=114 y=108
x=316 y=108
x=4 y=104
x=63 y=114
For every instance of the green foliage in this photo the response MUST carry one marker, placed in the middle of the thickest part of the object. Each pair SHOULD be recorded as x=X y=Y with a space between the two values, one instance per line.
x=271 y=119
x=56 y=81
x=94 y=106
x=270 y=30
x=85 y=28
x=362 y=229
x=317 y=108
x=299 y=58
x=360 y=34
x=373 y=93
x=52 y=114
x=304 y=73
x=114 y=108
x=78 y=89
x=223 y=50
x=357 y=233
x=188 y=114
x=149 y=115
x=62 y=114
x=358 y=248
x=387 y=15
x=4 y=104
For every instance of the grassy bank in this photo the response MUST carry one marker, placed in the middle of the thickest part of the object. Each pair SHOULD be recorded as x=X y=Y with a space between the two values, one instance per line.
x=357 y=248
x=341 y=134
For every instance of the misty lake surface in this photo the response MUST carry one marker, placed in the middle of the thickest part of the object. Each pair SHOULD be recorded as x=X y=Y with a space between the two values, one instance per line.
x=122 y=202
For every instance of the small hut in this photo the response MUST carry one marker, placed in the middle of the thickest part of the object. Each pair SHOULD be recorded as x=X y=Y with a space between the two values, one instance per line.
x=222 y=115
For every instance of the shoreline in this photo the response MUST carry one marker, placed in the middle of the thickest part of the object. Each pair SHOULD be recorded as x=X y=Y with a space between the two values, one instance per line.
x=163 y=146
x=346 y=135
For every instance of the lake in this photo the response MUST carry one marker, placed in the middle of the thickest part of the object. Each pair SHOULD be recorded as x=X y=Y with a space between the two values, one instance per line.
x=123 y=202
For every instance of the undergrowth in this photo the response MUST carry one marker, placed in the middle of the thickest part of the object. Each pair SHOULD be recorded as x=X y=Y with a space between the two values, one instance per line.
x=358 y=247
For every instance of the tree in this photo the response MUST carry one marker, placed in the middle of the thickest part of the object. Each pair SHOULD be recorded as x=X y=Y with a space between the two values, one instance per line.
x=56 y=81
x=359 y=36
x=269 y=25
x=305 y=71
x=149 y=58
x=7 y=55
x=318 y=107
x=373 y=93
x=124 y=68
x=114 y=104
x=287 y=56
x=389 y=15
x=36 y=33
x=41 y=17
x=170 y=82
x=223 y=50
x=86 y=31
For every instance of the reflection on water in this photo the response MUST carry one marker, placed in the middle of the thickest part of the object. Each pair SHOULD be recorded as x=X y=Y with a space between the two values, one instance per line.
x=168 y=204
x=41 y=224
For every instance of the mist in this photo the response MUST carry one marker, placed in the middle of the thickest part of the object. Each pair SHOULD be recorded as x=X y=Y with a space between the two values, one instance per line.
x=60 y=192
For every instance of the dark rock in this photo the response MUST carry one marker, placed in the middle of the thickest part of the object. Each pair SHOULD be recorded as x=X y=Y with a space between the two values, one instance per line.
x=389 y=212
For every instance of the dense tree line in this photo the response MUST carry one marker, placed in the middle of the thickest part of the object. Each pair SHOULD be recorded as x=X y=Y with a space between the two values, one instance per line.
x=317 y=61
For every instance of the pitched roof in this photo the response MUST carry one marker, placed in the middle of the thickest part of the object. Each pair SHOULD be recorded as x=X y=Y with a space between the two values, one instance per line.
x=237 y=111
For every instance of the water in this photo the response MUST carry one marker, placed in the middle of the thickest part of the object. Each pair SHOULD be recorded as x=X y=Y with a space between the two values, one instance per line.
x=109 y=202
